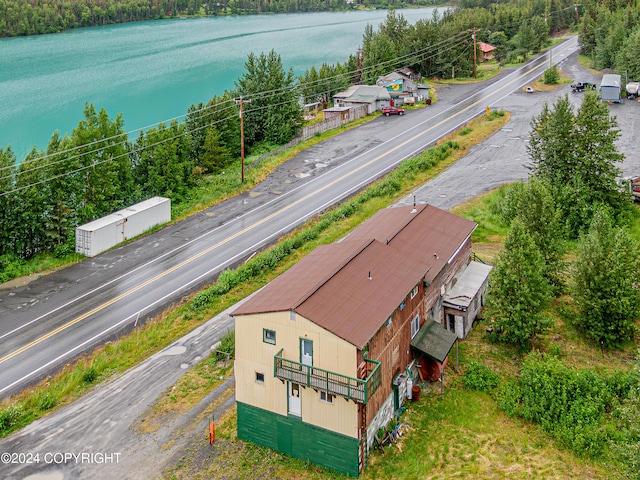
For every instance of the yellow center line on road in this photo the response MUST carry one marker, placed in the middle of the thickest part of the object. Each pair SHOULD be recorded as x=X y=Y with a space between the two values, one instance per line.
x=236 y=235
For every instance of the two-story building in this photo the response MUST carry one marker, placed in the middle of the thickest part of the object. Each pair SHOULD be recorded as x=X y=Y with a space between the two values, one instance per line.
x=320 y=349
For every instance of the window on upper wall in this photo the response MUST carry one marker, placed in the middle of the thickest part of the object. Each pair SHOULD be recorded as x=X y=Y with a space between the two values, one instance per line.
x=259 y=377
x=414 y=292
x=415 y=325
x=403 y=304
x=269 y=336
x=389 y=322
x=326 y=397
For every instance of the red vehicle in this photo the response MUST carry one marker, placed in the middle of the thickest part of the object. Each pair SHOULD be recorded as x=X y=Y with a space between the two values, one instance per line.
x=392 y=111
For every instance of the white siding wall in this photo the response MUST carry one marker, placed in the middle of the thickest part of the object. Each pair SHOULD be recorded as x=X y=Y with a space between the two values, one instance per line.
x=329 y=352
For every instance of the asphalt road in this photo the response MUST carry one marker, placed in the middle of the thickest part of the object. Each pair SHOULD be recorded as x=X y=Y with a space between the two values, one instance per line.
x=105 y=420
x=53 y=319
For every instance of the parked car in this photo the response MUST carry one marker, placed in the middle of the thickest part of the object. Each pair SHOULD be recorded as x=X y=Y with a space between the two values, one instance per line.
x=392 y=111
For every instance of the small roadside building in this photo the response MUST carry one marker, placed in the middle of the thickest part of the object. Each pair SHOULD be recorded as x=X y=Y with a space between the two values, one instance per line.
x=372 y=96
x=487 y=52
x=403 y=89
x=323 y=351
x=610 y=88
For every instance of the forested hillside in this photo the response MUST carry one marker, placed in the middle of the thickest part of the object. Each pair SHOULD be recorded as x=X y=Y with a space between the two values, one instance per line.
x=32 y=17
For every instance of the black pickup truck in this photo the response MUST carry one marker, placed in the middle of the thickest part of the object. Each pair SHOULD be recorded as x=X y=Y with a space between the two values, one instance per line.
x=582 y=86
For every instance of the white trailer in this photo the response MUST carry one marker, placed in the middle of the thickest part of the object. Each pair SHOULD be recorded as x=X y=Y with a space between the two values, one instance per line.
x=95 y=237
x=633 y=90
x=610 y=88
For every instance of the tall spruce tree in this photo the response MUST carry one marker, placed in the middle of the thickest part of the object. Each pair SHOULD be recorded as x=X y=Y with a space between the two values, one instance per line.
x=605 y=283
x=519 y=293
x=577 y=156
x=274 y=114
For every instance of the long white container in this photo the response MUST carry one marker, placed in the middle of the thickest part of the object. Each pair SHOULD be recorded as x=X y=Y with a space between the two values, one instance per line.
x=95 y=237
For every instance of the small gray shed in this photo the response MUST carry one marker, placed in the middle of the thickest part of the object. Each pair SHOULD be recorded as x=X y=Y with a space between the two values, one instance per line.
x=610 y=88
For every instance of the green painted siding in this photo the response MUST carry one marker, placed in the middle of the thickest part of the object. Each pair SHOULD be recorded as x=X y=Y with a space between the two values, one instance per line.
x=292 y=436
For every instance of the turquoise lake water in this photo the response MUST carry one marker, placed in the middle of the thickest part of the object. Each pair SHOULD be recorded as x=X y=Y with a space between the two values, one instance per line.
x=153 y=71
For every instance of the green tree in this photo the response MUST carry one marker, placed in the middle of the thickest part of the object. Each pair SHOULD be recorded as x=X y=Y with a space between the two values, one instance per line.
x=605 y=283
x=542 y=219
x=31 y=207
x=64 y=191
x=274 y=114
x=551 y=143
x=526 y=40
x=627 y=59
x=519 y=293
x=221 y=112
x=163 y=164
x=7 y=198
x=576 y=156
x=215 y=155
x=101 y=153
x=551 y=76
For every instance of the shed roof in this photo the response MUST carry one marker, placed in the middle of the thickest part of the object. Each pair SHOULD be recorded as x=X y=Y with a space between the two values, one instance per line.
x=485 y=47
x=364 y=94
x=611 y=80
x=468 y=285
x=350 y=288
x=434 y=341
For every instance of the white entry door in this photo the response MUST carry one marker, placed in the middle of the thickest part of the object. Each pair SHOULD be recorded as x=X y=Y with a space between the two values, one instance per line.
x=306 y=352
x=294 y=399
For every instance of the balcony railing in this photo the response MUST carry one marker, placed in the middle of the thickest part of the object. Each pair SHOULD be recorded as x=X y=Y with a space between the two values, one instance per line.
x=356 y=389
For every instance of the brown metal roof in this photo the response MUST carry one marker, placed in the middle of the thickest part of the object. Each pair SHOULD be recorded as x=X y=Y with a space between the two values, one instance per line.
x=364 y=293
x=431 y=234
x=331 y=286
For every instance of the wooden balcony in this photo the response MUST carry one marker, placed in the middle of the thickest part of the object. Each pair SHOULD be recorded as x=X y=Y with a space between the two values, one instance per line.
x=356 y=389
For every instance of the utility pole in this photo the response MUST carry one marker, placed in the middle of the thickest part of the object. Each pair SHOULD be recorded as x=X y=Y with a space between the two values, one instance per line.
x=576 y=5
x=475 y=54
x=242 y=102
x=546 y=21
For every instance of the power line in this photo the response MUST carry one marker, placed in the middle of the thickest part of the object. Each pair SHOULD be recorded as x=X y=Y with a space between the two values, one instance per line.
x=225 y=108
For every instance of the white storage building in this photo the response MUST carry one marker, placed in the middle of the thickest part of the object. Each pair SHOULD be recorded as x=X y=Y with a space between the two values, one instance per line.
x=95 y=237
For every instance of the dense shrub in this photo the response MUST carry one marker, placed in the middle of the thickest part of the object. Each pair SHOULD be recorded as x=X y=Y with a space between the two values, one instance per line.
x=228 y=343
x=569 y=404
x=480 y=377
x=47 y=402
x=10 y=417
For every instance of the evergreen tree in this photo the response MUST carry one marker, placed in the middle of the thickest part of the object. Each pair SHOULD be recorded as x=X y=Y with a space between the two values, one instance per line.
x=605 y=283
x=162 y=161
x=519 y=292
x=274 y=114
x=543 y=222
x=576 y=156
x=7 y=199
x=627 y=59
x=102 y=157
x=31 y=207
x=215 y=155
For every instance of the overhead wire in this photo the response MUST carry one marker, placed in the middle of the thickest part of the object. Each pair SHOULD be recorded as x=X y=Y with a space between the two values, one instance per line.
x=228 y=106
